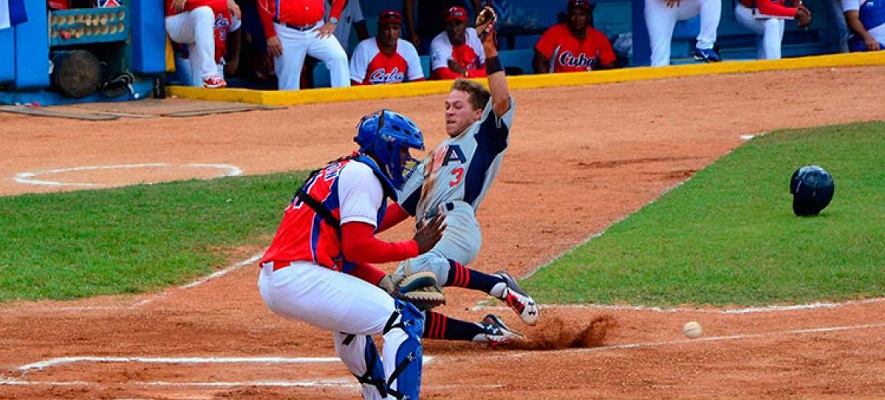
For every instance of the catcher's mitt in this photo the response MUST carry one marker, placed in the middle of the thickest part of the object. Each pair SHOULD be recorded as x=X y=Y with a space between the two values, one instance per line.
x=485 y=22
x=421 y=289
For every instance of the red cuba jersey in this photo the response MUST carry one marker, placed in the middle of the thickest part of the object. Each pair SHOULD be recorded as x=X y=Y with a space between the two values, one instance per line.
x=303 y=235
x=570 y=54
x=370 y=66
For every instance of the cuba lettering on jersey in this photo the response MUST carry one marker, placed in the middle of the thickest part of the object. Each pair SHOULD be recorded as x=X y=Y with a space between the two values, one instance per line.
x=302 y=234
x=460 y=168
x=570 y=54
x=370 y=66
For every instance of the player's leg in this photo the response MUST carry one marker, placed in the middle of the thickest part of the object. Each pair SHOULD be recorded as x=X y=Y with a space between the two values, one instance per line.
x=490 y=330
x=329 y=51
x=196 y=28
x=339 y=302
x=362 y=359
x=499 y=285
x=711 y=13
x=745 y=18
x=288 y=65
x=772 y=39
x=660 y=21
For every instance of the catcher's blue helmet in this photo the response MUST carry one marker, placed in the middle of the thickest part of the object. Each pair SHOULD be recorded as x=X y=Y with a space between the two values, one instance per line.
x=812 y=189
x=383 y=135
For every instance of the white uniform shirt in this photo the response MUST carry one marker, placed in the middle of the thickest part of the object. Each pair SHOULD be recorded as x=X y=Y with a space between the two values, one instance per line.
x=460 y=168
x=360 y=194
x=369 y=61
x=441 y=48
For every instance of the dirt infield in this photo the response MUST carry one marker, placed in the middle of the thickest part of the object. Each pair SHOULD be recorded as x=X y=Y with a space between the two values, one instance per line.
x=581 y=158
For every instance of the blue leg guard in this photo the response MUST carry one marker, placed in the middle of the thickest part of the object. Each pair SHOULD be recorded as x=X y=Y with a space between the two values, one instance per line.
x=402 y=342
x=362 y=359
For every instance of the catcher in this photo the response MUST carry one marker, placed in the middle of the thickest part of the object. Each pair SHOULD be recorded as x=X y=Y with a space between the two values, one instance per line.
x=453 y=180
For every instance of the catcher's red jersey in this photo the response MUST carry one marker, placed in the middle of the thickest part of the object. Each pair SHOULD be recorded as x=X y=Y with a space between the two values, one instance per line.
x=304 y=236
x=570 y=54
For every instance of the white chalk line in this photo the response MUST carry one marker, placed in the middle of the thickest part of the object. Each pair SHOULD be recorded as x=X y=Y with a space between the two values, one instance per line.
x=748 y=310
x=29 y=178
x=347 y=381
x=217 y=274
x=726 y=338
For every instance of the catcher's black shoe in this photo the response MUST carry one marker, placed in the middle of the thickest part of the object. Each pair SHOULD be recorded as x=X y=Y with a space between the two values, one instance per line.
x=519 y=300
x=496 y=333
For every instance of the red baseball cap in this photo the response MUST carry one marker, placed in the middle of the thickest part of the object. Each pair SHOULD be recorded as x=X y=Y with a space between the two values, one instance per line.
x=456 y=13
x=390 y=17
x=585 y=4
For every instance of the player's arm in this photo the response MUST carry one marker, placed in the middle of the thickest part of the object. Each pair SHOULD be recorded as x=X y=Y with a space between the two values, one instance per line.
x=776 y=10
x=393 y=215
x=266 y=11
x=540 y=63
x=852 y=18
x=359 y=244
x=409 y=10
x=497 y=79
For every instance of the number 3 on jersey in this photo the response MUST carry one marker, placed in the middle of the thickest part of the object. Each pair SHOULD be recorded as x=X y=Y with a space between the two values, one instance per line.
x=458 y=174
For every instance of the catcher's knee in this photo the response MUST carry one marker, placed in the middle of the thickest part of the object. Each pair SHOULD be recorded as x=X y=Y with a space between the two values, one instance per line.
x=404 y=330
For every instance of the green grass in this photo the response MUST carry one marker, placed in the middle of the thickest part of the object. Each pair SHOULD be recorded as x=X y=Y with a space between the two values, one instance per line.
x=132 y=239
x=728 y=236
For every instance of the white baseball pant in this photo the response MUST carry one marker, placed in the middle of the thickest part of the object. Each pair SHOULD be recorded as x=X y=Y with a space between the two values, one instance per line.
x=335 y=302
x=661 y=20
x=297 y=44
x=195 y=28
x=769 y=31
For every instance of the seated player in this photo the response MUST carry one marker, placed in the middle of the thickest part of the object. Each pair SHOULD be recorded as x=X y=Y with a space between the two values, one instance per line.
x=386 y=58
x=457 y=52
x=201 y=28
x=574 y=45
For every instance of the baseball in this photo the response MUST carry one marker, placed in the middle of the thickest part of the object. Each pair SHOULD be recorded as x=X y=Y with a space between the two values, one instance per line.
x=692 y=330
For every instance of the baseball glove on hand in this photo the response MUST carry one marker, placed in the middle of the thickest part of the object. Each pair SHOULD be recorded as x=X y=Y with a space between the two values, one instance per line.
x=421 y=289
x=485 y=22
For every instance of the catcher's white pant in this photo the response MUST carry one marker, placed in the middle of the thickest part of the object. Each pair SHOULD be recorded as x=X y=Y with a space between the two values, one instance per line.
x=297 y=44
x=661 y=20
x=195 y=28
x=336 y=302
x=461 y=242
x=770 y=32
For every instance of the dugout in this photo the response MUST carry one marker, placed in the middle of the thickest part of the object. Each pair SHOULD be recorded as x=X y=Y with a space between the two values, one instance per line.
x=71 y=51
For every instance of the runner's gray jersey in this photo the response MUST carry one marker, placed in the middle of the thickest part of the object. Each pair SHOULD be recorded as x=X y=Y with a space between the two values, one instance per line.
x=460 y=168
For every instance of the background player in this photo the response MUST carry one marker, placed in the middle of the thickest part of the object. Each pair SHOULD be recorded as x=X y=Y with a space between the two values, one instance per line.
x=768 y=21
x=661 y=17
x=457 y=51
x=574 y=45
x=867 y=20
x=295 y=29
x=455 y=178
x=202 y=27
x=316 y=266
x=386 y=58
